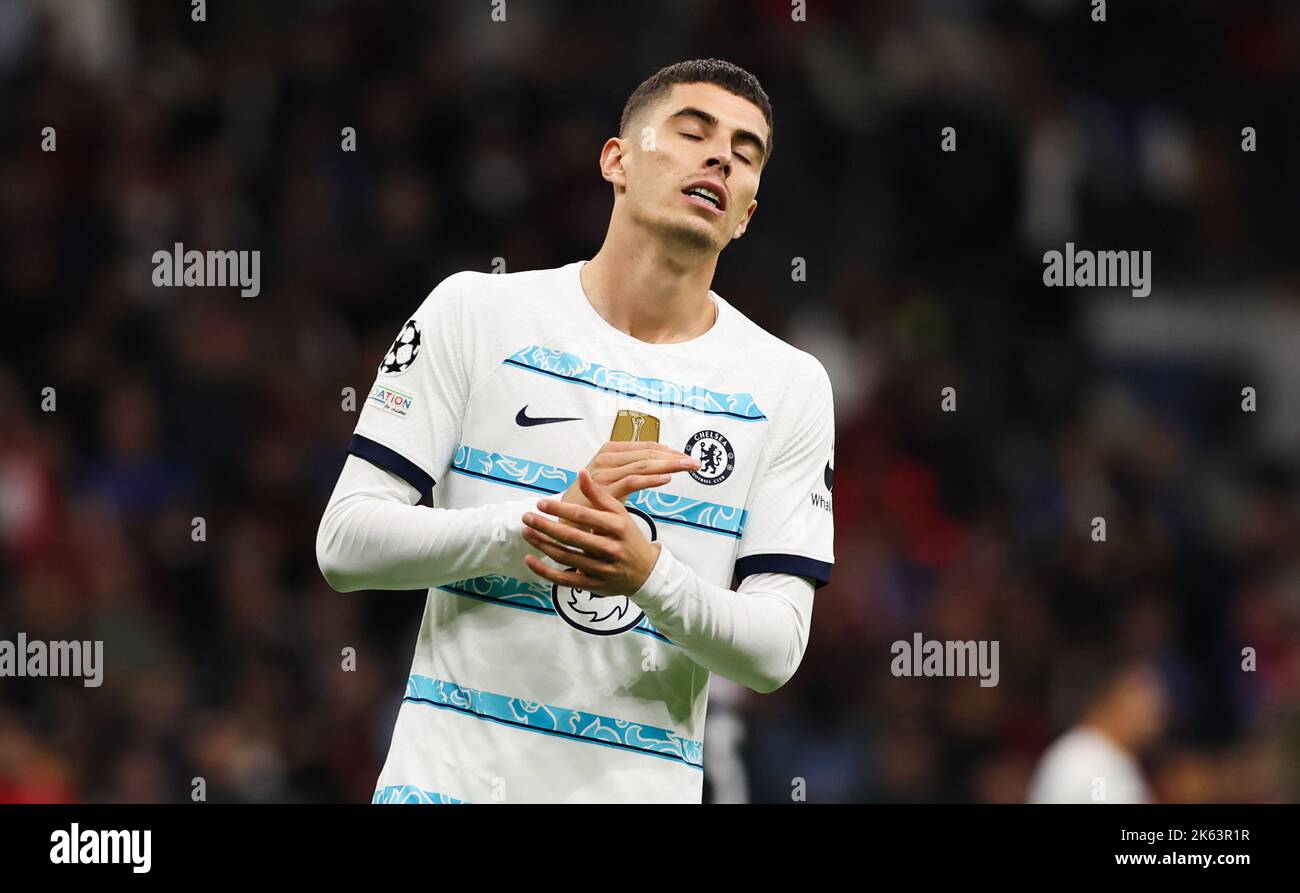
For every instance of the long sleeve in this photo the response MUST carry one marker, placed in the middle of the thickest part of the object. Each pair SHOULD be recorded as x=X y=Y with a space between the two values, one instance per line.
x=791 y=527
x=754 y=635
x=374 y=536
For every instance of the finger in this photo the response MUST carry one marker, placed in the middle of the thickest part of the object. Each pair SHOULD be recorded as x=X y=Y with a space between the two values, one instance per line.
x=609 y=477
x=659 y=465
x=587 y=518
x=624 y=487
x=573 y=537
x=640 y=452
x=621 y=446
x=586 y=564
x=596 y=494
x=564 y=578
x=549 y=546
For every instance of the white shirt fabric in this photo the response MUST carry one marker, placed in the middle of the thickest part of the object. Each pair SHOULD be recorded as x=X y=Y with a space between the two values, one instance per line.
x=1085 y=766
x=521 y=691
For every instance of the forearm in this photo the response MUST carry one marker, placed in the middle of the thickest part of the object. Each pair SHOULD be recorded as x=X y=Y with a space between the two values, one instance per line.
x=371 y=537
x=755 y=635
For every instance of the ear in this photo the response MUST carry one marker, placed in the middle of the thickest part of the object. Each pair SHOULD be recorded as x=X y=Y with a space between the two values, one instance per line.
x=612 y=156
x=744 y=221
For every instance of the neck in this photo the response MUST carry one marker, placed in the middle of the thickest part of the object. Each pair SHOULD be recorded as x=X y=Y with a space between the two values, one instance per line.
x=645 y=290
x=1112 y=731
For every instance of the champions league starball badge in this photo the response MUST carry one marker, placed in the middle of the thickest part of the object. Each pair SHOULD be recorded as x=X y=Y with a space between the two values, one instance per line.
x=406 y=347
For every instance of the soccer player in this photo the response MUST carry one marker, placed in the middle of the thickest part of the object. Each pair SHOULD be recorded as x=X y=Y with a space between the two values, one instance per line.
x=1124 y=710
x=607 y=445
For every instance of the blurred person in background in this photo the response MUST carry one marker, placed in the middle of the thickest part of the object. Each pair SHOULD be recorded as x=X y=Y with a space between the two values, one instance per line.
x=1096 y=761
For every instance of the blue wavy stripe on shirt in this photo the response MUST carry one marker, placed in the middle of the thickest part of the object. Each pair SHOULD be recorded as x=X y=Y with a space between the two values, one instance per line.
x=409 y=793
x=576 y=725
x=570 y=367
x=511 y=592
x=711 y=517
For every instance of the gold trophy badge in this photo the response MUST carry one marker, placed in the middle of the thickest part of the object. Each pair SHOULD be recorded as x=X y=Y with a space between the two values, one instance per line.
x=637 y=426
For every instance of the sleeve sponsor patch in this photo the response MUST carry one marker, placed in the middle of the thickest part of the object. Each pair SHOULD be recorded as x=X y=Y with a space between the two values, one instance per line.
x=390 y=399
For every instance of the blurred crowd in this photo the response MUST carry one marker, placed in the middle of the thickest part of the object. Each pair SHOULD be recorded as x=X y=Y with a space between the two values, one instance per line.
x=478 y=139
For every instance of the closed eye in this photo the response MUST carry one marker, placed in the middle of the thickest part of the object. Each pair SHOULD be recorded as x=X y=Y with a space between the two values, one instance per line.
x=698 y=138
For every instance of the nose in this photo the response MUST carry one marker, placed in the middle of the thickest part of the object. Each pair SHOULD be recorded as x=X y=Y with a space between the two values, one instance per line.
x=721 y=160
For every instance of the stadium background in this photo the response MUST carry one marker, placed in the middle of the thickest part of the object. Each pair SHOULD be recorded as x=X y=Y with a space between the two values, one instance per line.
x=479 y=140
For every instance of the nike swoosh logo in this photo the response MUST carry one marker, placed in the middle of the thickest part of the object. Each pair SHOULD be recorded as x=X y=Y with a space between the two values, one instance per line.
x=521 y=418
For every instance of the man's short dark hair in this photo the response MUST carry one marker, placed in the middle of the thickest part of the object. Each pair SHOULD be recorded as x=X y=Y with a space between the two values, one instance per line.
x=731 y=78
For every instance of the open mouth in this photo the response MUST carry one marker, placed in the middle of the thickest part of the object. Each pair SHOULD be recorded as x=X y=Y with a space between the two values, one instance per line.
x=706 y=197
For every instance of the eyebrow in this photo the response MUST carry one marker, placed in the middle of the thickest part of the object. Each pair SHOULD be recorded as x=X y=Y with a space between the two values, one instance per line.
x=740 y=135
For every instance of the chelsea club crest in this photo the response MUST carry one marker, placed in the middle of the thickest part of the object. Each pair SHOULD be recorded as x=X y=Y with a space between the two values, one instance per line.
x=717 y=458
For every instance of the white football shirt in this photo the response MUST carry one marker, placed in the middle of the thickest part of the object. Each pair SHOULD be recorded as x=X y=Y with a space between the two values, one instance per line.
x=504 y=385
x=1084 y=766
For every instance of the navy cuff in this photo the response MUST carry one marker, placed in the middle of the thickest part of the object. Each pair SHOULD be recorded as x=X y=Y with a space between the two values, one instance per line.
x=776 y=563
x=391 y=460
